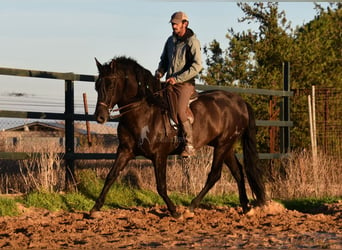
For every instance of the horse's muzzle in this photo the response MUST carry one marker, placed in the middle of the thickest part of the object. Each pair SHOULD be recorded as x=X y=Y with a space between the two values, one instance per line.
x=101 y=119
x=101 y=114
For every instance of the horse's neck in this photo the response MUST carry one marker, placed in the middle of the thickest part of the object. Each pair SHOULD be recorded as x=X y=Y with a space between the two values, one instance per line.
x=145 y=112
x=127 y=101
x=142 y=93
x=131 y=105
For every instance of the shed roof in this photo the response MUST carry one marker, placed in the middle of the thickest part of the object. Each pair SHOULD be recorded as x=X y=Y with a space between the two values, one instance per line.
x=80 y=127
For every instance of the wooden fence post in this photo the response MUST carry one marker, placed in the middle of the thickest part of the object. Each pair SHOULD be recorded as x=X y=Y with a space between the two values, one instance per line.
x=312 y=118
x=85 y=104
x=70 y=183
x=285 y=111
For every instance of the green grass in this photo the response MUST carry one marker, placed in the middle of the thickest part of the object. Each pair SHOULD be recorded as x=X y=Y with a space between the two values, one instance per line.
x=119 y=196
x=309 y=205
x=56 y=202
x=49 y=201
x=125 y=196
x=8 y=207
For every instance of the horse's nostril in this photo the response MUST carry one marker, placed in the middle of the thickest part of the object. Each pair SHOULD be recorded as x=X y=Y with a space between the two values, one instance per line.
x=100 y=119
x=100 y=116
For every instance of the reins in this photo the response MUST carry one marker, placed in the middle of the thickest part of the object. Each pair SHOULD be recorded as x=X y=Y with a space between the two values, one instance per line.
x=112 y=110
x=117 y=109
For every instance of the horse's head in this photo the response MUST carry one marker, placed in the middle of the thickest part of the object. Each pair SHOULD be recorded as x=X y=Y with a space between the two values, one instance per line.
x=114 y=86
x=120 y=82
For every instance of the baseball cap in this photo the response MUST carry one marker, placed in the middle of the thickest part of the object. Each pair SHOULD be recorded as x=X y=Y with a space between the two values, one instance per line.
x=178 y=17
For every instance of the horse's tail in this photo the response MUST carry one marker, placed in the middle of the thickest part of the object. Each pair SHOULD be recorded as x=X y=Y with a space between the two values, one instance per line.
x=255 y=174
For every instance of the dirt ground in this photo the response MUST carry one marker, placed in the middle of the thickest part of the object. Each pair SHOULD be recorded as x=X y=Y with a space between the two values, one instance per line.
x=209 y=228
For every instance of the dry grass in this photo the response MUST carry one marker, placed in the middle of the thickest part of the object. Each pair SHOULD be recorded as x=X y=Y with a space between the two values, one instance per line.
x=44 y=173
x=295 y=177
x=39 y=173
x=299 y=176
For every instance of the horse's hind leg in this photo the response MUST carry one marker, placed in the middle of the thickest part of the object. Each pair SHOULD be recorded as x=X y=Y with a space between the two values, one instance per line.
x=122 y=159
x=213 y=177
x=237 y=171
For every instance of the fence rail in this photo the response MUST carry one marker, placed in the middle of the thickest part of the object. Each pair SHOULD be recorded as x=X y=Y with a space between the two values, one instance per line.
x=69 y=116
x=46 y=74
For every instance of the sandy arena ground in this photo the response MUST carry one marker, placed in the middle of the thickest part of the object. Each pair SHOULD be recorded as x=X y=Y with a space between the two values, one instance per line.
x=217 y=227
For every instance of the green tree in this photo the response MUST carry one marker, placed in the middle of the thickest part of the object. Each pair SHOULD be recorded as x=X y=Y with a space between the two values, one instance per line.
x=318 y=55
x=255 y=58
x=317 y=60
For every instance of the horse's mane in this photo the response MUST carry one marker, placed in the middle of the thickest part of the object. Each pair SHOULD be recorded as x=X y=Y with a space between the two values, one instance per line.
x=126 y=61
x=148 y=83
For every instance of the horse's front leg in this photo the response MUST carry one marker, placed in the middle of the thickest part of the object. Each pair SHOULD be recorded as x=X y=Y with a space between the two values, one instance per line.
x=124 y=155
x=160 y=172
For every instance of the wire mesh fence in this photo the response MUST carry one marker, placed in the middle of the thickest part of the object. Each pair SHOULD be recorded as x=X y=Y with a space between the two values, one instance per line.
x=328 y=106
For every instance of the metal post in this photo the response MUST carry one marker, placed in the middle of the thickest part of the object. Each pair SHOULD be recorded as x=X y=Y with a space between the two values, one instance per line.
x=70 y=183
x=285 y=111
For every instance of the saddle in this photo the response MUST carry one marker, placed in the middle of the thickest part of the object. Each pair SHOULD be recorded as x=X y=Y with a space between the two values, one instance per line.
x=172 y=112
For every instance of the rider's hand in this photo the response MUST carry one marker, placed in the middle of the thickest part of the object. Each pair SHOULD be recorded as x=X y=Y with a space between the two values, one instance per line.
x=171 y=80
x=158 y=75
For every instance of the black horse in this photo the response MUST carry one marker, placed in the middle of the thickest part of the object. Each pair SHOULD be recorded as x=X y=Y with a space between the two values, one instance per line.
x=221 y=118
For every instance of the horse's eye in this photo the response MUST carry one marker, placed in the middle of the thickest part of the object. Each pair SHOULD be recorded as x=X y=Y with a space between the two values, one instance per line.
x=109 y=85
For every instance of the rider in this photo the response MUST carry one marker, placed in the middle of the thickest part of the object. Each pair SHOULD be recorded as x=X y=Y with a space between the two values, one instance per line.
x=181 y=61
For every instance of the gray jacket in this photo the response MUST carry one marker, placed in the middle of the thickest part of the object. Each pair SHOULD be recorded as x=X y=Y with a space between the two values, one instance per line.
x=181 y=57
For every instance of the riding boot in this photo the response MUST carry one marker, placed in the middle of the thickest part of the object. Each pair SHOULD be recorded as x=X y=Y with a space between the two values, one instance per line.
x=189 y=148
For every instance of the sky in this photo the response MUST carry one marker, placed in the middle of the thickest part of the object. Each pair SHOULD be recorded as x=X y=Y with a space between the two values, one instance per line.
x=66 y=36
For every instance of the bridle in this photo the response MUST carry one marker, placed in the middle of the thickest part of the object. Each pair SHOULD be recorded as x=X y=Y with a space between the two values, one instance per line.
x=112 y=110
x=131 y=105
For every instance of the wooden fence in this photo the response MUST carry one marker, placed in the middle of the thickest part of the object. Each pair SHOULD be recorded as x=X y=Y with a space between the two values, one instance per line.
x=69 y=115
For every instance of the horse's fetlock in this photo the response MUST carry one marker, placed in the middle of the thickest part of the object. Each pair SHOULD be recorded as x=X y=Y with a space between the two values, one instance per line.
x=176 y=214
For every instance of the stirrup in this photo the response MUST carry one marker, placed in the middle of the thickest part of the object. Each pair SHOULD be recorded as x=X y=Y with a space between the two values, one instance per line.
x=173 y=123
x=188 y=151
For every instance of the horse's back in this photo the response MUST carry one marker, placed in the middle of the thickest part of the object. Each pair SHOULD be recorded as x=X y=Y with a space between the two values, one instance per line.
x=218 y=114
x=220 y=101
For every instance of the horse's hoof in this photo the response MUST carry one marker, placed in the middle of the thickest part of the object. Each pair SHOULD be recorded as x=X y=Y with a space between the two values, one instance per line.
x=177 y=215
x=251 y=212
x=246 y=209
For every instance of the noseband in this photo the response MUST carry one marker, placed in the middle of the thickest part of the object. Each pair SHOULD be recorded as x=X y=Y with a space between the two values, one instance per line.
x=103 y=104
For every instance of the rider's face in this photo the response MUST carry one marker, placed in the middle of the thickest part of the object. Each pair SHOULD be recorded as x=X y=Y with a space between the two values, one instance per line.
x=179 y=28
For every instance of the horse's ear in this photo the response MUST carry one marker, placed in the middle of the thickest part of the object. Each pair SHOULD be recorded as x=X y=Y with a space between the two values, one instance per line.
x=98 y=64
x=112 y=66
